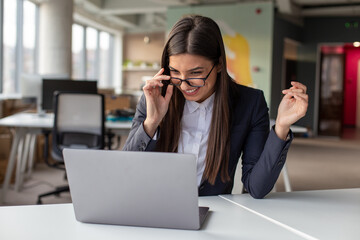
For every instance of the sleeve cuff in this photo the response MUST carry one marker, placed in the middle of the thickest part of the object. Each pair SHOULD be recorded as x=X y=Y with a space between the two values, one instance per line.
x=155 y=137
x=289 y=137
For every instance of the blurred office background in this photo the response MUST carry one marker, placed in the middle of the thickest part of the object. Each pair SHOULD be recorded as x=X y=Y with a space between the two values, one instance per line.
x=119 y=44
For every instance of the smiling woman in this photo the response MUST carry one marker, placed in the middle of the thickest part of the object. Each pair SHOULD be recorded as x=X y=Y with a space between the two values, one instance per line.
x=199 y=80
x=193 y=106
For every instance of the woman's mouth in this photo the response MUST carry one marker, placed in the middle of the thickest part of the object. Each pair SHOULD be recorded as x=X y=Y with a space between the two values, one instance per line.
x=192 y=91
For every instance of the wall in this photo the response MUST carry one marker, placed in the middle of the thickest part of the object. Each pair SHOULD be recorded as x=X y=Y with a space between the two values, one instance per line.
x=315 y=31
x=137 y=51
x=247 y=30
x=352 y=59
x=282 y=30
x=358 y=99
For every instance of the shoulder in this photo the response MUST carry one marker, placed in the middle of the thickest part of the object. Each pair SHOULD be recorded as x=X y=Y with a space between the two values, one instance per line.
x=238 y=92
x=247 y=105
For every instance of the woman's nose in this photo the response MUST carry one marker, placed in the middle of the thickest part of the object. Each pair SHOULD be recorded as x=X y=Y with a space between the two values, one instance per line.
x=184 y=86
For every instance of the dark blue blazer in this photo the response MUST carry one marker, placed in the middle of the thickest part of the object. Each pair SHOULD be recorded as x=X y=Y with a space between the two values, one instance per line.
x=263 y=154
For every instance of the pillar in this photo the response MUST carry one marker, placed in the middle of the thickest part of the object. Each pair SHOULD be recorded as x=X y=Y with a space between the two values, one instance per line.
x=55 y=31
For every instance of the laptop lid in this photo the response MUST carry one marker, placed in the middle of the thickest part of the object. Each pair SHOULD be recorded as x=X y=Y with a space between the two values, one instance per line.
x=133 y=188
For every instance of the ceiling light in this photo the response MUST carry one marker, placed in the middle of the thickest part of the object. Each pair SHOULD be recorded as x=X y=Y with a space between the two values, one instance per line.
x=146 y=39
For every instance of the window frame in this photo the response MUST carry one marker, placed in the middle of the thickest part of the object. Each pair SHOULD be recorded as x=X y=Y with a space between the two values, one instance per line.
x=110 y=82
x=19 y=44
x=1 y=44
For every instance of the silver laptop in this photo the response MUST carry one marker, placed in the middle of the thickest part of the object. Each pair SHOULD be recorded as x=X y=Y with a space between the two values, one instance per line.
x=134 y=188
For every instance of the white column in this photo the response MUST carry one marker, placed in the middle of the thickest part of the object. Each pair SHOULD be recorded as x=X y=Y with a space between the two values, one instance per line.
x=56 y=18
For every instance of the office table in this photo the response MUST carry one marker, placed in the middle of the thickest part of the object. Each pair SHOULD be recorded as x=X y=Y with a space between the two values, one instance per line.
x=26 y=126
x=225 y=221
x=322 y=214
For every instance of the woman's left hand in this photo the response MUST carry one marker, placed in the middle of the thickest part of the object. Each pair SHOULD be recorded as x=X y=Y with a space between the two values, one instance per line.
x=292 y=107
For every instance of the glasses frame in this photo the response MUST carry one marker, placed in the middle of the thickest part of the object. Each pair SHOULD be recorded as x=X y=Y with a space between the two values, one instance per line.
x=187 y=80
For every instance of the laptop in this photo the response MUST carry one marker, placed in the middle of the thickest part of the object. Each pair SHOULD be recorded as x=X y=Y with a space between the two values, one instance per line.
x=146 y=189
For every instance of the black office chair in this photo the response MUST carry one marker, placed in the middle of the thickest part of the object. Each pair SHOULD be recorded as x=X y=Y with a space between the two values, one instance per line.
x=78 y=123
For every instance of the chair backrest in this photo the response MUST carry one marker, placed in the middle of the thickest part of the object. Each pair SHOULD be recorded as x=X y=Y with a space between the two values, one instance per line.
x=78 y=122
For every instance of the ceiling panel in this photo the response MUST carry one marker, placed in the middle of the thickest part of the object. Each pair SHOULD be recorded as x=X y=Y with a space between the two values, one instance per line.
x=150 y=15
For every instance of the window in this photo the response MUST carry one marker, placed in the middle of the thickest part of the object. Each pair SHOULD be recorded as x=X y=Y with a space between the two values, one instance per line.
x=9 y=46
x=92 y=52
x=18 y=42
x=29 y=38
x=78 y=57
x=105 y=59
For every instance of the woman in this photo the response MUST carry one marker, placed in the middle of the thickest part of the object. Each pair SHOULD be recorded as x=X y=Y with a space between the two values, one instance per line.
x=193 y=106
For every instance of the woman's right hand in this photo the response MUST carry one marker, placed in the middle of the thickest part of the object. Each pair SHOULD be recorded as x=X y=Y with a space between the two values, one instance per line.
x=156 y=105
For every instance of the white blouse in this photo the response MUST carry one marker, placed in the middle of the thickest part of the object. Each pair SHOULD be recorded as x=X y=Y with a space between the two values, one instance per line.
x=195 y=130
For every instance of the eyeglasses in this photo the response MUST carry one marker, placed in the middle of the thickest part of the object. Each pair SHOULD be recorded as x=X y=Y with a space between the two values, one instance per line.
x=193 y=82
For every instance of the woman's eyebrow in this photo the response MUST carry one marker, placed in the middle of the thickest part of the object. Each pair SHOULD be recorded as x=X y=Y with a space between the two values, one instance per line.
x=190 y=70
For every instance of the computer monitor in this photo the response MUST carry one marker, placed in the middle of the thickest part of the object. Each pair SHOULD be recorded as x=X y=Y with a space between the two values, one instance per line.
x=50 y=86
x=31 y=87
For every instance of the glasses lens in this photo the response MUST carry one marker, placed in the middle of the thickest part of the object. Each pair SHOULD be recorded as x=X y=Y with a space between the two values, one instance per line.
x=196 y=82
x=175 y=81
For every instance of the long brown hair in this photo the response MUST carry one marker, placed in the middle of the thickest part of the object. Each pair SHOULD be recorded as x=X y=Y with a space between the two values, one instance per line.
x=201 y=36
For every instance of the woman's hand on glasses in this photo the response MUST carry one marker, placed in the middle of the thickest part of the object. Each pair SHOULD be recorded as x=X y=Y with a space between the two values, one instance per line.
x=156 y=104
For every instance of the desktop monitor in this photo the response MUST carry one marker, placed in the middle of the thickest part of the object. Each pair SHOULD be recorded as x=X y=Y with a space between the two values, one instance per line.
x=31 y=87
x=50 y=86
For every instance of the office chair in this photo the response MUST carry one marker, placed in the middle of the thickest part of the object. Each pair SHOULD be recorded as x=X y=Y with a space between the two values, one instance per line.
x=78 y=123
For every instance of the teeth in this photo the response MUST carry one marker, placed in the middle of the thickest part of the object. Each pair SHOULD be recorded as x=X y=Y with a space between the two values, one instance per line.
x=191 y=91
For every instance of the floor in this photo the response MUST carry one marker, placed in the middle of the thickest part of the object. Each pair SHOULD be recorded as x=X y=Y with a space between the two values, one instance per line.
x=321 y=163
x=312 y=164
x=43 y=179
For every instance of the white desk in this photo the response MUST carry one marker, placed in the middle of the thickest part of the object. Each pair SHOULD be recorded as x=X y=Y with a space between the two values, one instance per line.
x=34 y=121
x=225 y=221
x=26 y=126
x=324 y=214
